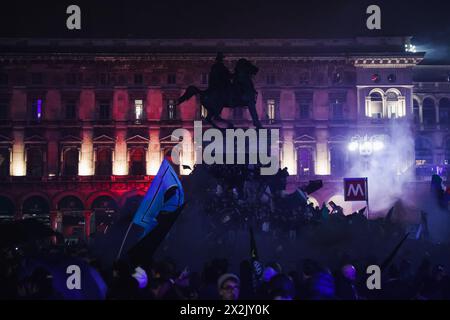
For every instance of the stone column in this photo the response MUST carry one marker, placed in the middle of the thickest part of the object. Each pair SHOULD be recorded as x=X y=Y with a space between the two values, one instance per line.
x=421 y=114
x=120 y=165
x=18 y=103
x=322 y=152
x=54 y=219
x=120 y=105
x=52 y=107
x=367 y=107
x=86 y=163
x=436 y=106
x=287 y=107
x=87 y=104
x=402 y=102
x=386 y=111
x=154 y=104
x=18 y=165
x=153 y=153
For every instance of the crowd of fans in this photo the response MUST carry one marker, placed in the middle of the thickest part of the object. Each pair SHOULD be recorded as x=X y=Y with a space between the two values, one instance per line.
x=163 y=280
x=238 y=198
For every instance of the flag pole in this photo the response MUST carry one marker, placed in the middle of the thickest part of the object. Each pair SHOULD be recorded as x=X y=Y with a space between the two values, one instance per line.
x=367 y=198
x=123 y=241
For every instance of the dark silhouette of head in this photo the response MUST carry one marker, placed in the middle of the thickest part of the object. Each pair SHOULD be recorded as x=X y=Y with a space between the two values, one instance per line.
x=323 y=286
x=219 y=57
x=281 y=287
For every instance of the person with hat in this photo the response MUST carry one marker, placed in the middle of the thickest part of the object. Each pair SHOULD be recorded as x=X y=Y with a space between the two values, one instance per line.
x=228 y=286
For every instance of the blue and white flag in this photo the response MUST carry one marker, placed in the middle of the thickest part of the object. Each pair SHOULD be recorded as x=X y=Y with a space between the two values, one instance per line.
x=165 y=194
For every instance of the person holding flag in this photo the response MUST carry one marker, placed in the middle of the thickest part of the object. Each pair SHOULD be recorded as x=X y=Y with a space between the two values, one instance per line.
x=257 y=267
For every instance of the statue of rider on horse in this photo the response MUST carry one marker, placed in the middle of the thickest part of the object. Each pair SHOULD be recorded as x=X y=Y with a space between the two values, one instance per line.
x=227 y=90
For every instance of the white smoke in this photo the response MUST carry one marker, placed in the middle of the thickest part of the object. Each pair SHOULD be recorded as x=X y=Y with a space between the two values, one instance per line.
x=388 y=170
x=392 y=182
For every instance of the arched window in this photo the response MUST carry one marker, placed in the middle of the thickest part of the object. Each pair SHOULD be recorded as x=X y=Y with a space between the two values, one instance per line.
x=392 y=104
x=70 y=204
x=35 y=163
x=389 y=104
x=375 y=105
x=429 y=112
x=137 y=162
x=38 y=207
x=70 y=162
x=395 y=104
x=103 y=163
x=444 y=111
x=305 y=161
x=104 y=209
x=73 y=221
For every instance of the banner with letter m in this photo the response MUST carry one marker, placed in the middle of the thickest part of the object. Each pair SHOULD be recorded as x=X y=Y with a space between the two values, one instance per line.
x=355 y=189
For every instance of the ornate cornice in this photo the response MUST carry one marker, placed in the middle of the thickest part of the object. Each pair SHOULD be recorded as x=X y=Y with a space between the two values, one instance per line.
x=117 y=50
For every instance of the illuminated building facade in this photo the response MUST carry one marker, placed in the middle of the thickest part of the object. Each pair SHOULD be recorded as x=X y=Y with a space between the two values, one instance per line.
x=84 y=124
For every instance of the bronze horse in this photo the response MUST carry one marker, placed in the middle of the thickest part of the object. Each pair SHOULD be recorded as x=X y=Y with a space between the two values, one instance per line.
x=241 y=94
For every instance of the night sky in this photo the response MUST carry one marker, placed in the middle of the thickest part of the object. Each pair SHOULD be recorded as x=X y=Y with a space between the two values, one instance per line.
x=427 y=20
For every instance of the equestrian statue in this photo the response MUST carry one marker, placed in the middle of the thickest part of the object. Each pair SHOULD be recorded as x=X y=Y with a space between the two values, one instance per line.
x=227 y=90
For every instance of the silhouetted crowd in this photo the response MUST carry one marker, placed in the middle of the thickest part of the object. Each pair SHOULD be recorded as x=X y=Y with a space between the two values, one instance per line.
x=239 y=197
x=163 y=279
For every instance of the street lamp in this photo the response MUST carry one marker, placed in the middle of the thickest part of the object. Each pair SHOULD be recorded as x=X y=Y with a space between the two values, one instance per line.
x=366 y=145
x=353 y=146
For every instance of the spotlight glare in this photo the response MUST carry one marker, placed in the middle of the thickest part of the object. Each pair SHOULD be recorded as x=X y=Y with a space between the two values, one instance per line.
x=352 y=146
x=366 y=145
x=378 y=145
x=410 y=48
